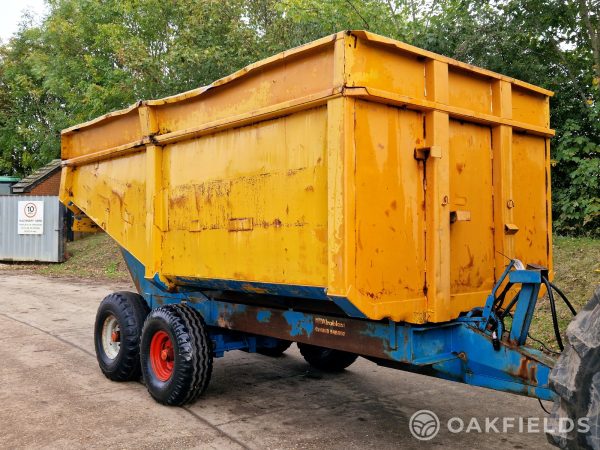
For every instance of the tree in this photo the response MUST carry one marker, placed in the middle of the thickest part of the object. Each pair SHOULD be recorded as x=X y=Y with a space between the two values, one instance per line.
x=551 y=43
x=30 y=115
x=92 y=56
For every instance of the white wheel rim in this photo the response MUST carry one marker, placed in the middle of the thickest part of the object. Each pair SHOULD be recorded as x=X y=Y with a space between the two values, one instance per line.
x=111 y=339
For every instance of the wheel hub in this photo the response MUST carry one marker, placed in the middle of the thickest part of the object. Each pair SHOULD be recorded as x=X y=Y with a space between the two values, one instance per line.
x=165 y=354
x=162 y=355
x=111 y=337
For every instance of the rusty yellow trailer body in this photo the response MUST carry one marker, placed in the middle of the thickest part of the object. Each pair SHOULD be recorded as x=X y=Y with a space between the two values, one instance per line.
x=389 y=179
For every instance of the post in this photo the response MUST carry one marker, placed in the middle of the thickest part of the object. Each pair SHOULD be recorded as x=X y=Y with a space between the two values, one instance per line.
x=437 y=195
x=155 y=213
x=504 y=226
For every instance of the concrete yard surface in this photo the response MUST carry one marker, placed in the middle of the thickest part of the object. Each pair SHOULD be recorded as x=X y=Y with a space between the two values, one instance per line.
x=53 y=394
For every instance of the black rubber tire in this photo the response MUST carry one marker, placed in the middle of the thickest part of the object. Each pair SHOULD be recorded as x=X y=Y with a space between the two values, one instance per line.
x=130 y=310
x=576 y=380
x=277 y=351
x=193 y=354
x=326 y=359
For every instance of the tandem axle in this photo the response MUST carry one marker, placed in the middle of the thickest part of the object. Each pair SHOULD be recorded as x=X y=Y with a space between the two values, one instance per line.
x=473 y=349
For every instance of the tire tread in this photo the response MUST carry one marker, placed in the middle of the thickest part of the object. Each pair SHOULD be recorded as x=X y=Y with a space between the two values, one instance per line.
x=193 y=367
x=132 y=309
x=575 y=379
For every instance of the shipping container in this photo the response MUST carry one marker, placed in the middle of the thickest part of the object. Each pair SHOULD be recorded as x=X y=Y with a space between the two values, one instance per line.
x=31 y=229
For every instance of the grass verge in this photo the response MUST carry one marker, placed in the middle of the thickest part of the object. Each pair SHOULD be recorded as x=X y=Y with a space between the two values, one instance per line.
x=577 y=274
x=95 y=256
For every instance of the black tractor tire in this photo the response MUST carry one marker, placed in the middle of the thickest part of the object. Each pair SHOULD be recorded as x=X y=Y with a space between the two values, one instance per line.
x=130 y=310
x=576 y=381
x=276 y=351
x=326 y=359
x=191 y=359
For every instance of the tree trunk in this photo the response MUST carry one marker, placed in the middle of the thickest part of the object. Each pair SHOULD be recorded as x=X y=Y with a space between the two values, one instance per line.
x=591 y=26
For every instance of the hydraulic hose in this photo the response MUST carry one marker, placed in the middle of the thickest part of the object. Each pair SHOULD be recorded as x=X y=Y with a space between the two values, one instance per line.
x=510 y=305
x=564 y=297
x=500 y=299
x=553 y=311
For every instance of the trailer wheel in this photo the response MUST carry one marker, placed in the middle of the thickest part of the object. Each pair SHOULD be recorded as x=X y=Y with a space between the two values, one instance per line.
x=576 y=380
x=326 y=359
x=276 y=351
x=117 y=331
x=176 y=354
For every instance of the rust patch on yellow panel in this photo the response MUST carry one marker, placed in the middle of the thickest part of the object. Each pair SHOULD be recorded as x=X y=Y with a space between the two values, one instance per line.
x=243 y=224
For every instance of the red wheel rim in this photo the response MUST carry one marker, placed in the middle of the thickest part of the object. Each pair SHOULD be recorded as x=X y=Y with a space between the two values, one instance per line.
x=162 y=358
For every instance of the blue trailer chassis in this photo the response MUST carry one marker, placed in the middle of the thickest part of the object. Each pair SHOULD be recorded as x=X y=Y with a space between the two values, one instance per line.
x=473 y=349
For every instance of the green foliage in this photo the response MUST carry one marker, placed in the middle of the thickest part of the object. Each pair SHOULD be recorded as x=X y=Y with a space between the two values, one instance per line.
x=30 y=115
x=105 y=54
x=576 y=178
x=88 y=57
x=545 y=43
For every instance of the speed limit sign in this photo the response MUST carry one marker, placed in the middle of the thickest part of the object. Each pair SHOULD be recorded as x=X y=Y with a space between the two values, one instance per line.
x=31 y=217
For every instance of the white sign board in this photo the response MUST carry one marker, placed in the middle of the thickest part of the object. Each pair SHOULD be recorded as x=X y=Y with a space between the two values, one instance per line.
x=31 y=217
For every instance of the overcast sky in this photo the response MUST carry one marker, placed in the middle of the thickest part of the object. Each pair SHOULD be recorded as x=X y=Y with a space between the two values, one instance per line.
x=11 y=12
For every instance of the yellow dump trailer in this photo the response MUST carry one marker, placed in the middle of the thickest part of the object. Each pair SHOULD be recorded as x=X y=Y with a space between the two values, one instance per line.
x=394 y=180
x=357 y=196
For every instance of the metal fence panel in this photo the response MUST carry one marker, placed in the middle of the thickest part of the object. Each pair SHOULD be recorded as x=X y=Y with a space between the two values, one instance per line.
x=46 y=247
